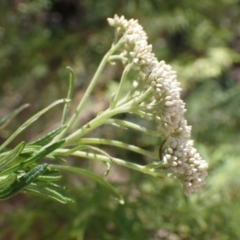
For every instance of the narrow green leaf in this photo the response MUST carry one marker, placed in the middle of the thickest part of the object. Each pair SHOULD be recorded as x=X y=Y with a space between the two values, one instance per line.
x=72 y=150
x=48 y=192
x=29 y=149
x=5 y=120
x=23 y=181
x=49 y=178
x=43 y=152
x=7 y=180
x=59 y=159
x=93 y=176
x=30 y=121
x=69 y=95
x=49 y=137
x=13 y=154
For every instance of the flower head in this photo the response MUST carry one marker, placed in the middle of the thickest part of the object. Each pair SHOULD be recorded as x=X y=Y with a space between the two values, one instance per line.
x=136 y=48
x=185 y=163
x=164 y=105
x=170 y=107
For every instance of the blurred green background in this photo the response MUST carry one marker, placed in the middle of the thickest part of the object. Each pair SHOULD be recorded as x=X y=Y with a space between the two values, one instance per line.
x=201 y=40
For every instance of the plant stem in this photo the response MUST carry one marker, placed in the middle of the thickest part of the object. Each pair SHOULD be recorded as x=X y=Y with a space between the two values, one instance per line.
x=90 y=87
x=118 y=161
x=118 y=144
x=30 y=121
x=122 y=82
x=126 y=124
x=138 y=100
x=103 y=117
x=69 y=95
x=96 y=122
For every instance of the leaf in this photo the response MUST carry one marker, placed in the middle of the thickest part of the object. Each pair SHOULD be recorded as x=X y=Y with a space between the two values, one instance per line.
x=7 y=180
x=49 y=178
x=5 y=120
x=23 y=181
x=93 y=176
x=69 y=94
x=30 y=121
x=49 y=137
x=43 y=152
x=48 y=192
x=13 y=154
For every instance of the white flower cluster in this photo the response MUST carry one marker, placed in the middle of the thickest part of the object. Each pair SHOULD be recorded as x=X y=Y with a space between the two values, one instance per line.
x=136 y=47
x=170 y=107
x=185 y=162
x=165 y=105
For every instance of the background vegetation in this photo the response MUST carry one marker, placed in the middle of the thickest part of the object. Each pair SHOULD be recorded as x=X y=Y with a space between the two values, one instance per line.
x=201 y=40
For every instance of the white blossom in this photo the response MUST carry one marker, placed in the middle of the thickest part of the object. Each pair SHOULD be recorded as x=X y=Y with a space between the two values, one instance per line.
x=170 y=107
x=185 y=162
x=165 y=105
x=136 y=47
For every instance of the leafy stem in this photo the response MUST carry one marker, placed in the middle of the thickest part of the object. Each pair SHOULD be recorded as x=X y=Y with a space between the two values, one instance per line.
x=119 y=144
x=121 y=85
x=144 y=169
x=96 y=122
x=91 y=87
x=30 y=121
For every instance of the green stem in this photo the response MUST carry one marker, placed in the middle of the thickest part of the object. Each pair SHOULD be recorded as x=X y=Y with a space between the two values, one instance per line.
x=118 y=161
x=69 y=95
x=96 y=122
x=114 y=58
x=30 y=121
x=119 y=144
x=90 y=87
x=6 y=120
x=126 y=124
x=122 y=82
x=134 y=101
x=103 y=117
x=138 y=100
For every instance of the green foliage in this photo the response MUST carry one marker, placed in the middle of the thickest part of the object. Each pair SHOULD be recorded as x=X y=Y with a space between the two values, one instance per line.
x=200 y=39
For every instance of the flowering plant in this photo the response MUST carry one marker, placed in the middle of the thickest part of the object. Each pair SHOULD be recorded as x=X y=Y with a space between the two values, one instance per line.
x=154 y=95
